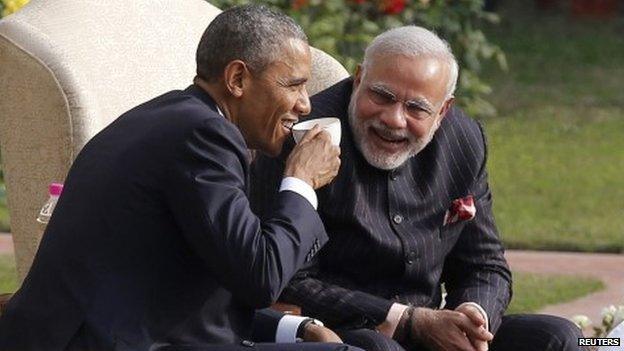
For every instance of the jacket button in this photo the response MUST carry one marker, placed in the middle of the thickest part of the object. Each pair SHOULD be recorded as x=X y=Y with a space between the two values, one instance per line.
x=393 y=175
x=410 y=257
x=397 y=219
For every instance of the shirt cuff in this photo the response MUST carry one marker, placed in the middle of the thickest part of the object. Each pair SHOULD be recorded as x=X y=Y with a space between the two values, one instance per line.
x=300 y=187
x=393 y=318
x=481 y=310
x=287 y=328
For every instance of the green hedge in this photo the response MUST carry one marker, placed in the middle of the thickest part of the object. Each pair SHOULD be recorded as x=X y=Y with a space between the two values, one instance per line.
x=343 y=28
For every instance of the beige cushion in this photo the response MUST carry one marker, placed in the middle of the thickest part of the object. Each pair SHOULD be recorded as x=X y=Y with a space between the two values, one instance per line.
x=69 y=67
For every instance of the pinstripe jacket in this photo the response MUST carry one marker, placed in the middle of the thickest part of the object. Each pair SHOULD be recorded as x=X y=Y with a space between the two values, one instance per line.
x=387 y=238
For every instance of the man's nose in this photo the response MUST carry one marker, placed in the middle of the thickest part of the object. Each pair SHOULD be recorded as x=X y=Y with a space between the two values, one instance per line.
x=302 y=106
x=394 y=116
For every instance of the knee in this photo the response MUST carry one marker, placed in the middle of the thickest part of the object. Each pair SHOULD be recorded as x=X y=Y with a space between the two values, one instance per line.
x=368 y=345
x=563 y=333
x=369 y=340
x=538 y=332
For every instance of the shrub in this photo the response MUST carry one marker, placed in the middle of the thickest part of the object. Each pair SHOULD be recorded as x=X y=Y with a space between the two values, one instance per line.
x=343 y=28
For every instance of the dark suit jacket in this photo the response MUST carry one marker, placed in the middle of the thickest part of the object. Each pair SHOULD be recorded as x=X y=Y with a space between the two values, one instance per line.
x=387 y=239
x=153 y=239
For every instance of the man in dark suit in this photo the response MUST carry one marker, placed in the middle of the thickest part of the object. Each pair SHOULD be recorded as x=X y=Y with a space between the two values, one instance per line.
x=152 y=243
x=409 y=212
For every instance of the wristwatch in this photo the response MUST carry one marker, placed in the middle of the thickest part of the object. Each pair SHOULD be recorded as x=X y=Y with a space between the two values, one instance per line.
x=304 y=324
x=403 y=331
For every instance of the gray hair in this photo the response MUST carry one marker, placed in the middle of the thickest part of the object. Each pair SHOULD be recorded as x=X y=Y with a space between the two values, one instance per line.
x=414 y=41
x=253 y=34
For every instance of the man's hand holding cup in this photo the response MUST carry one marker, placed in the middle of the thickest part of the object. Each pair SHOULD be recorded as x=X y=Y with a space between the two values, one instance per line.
x=315 y=158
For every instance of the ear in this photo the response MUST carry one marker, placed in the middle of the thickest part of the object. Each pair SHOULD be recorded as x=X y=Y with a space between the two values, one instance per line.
x=234 y=75
x=446 y=106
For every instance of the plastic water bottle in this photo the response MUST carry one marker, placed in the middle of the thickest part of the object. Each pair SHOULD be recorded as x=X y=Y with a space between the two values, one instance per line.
x=55 y=190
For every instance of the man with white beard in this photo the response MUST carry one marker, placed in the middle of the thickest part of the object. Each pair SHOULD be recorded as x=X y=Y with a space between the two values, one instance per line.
x=410 y=210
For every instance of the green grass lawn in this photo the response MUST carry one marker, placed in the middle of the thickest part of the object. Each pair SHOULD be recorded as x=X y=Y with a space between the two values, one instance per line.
x=4 y=219
x=556 y=149
x=4 y=212
x=8 y=276
x=534 y=291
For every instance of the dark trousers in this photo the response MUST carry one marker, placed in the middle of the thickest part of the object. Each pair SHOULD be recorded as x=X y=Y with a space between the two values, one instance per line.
x=521 y=332
x=304 y=346
x=80 y=342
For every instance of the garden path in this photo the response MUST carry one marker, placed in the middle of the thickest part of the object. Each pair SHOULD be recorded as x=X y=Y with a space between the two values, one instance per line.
x=609 y=268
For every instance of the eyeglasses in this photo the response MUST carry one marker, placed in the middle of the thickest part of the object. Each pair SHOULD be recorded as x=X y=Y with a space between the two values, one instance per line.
x=418 y=109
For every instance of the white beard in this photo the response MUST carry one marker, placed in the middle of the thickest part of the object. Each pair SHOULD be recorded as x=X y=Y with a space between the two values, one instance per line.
x=379 y=158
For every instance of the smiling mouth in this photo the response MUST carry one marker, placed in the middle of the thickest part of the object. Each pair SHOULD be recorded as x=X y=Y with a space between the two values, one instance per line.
x=392 y=140
x=288 y=125
x=387 y=144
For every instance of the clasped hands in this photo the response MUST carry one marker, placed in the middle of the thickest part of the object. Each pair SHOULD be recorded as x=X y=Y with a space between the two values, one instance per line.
x=440 y=330
x=444 y=330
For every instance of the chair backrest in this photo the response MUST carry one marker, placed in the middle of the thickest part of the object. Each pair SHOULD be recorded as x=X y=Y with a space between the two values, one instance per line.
x=69 y=67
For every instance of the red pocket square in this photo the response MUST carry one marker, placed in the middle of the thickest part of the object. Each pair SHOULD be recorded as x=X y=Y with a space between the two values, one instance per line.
x=460 y=210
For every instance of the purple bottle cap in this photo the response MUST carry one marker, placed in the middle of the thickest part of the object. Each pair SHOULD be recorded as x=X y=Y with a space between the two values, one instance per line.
x=55 y=189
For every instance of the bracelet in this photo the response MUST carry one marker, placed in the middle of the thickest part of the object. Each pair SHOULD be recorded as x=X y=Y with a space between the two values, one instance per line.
x=302 y=326
x=404 y=333
x=409 y=323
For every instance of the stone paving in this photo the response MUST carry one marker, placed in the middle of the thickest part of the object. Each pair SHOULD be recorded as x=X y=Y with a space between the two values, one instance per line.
x=609 y=268
x=6 y=243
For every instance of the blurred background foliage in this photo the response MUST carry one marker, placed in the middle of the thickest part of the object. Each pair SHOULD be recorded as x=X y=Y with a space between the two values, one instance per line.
x=556 y=149
x=555 y=132
x=556 y=159
x=8 y=7
x=343 y=28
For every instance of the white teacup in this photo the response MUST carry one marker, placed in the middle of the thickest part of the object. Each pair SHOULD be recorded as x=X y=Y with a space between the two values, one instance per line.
x=329 y=124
